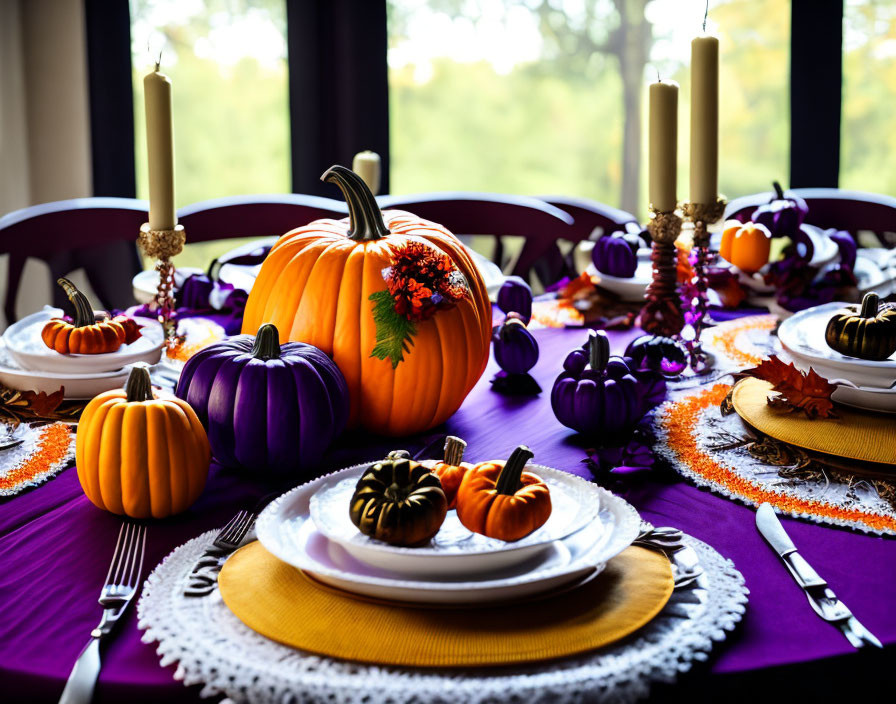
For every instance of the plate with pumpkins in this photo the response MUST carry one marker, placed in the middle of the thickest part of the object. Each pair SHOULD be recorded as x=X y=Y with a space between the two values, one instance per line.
x=448 y=531
x=853 y=345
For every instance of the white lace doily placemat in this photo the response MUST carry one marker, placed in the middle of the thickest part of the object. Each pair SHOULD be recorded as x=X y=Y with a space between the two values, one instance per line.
x=213 y=648
x=43 y=451
x=718 y=452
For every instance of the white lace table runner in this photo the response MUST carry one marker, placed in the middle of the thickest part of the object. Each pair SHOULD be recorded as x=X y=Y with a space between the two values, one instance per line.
x=213 y=648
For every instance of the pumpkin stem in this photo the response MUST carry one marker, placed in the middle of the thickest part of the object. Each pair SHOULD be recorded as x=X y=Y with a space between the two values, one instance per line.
x=509 y=478
x=267 y=343
x=83 y=310
x=365 y=218
x=454 y=450
x=598 y=350
x=870 y=305
x=139 y=387
x=779 y=192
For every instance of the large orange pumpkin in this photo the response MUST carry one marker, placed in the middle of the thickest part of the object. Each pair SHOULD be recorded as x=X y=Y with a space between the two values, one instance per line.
x=140 y=454
x=316 y=285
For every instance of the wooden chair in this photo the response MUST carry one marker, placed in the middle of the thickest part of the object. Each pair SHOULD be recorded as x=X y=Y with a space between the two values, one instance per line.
x=497 y=215
x=98 y=234
x=852 y=211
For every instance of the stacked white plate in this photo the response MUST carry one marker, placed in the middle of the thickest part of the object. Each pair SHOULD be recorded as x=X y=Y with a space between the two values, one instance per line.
x=27 y=364
x=861 y=383
x=309 y=528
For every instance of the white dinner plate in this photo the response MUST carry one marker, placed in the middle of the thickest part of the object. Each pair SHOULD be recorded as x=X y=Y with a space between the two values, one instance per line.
x=29 y=352
x=77 y=386
x=802 y=335
x=454 y=549
x=286 y=530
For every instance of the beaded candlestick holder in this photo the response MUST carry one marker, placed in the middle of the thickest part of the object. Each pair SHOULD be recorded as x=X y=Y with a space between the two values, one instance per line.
x=162 y=245
x=702 y=215
x=661 y=314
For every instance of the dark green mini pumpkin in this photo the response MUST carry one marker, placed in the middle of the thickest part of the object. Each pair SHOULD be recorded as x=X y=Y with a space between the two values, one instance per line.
x=399 y=501
x=868 y=332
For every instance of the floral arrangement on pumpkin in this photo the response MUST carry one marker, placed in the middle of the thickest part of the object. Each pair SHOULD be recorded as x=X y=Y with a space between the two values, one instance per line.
x=420 y=282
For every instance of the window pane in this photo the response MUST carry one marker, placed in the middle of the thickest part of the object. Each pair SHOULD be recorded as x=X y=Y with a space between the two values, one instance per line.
x=227 y=63
x=868 y=141
x=537 y=97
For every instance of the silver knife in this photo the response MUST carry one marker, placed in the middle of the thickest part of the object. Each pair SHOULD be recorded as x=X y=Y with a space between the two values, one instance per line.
x=821 y=597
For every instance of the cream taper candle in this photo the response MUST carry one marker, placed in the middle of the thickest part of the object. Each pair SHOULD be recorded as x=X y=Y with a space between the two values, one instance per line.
x=159 y=150
x=663 y=145
x=367 y=165
x=704 y=119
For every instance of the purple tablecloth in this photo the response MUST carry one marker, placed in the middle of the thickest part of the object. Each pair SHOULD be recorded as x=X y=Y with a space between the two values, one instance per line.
x=55 y=549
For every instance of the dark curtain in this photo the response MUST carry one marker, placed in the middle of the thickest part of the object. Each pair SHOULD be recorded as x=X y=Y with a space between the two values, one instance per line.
x=816 y=82
x=338 y=87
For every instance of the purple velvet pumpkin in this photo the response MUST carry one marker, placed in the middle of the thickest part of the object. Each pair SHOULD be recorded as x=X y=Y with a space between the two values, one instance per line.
x=516 y=350
x=617 y=254
x=515 y=296
x=597 y=394
x=195 y=292
x=782 y=215
x=657 y=353
x=269 y=408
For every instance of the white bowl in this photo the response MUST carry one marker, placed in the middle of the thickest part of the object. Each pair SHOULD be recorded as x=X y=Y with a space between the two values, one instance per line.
x=29 y=352
x=454 y=549
x=77 y=386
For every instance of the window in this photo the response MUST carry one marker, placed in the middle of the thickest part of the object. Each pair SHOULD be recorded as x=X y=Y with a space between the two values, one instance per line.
x=538 y=97
x=868 y=141
x=227 y=63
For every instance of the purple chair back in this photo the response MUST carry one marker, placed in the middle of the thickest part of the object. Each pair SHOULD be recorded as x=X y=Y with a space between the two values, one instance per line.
x=497 y=215
x=851 y=211
x=98 y=234
x=255 y=215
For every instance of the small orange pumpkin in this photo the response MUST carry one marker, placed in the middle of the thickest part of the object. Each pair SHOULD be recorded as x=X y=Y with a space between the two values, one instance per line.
x=500 y=500
x=746 y=245
x=86 y=335
x=452 y=468
x=139 y=454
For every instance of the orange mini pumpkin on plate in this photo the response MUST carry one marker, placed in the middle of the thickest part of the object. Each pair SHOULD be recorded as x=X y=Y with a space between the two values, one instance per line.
x=86 y=334
x=452 y=468
x=498 y=499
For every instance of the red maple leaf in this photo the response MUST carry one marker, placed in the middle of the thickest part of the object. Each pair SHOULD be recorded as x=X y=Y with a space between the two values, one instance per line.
x=810 y=393
x=42 y=404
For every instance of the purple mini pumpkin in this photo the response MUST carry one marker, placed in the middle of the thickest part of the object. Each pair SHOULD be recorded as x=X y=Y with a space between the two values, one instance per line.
x=657 y=353
x=597 y=394
x=269 y=408
x=515 y=296
x=617 y=254
x=516 y=350
x=782 y=215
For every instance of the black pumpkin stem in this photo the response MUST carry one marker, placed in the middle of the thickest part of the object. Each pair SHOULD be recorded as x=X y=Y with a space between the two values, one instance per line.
x=779 y=192
x=870 y=305
x=598 y=350
x=267 y=343
x=365 y=218
x=509 y=478
x=83 y=310
x=139 y=386
x=454 y=450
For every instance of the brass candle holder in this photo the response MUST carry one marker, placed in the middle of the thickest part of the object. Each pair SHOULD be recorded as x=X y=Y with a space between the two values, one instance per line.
x=661 y=314
x=702 y=215
x=162 y=245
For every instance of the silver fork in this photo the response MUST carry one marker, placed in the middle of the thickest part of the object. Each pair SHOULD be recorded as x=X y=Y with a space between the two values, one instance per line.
x=122 y=583
x=204 y=575
x=829 y=607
